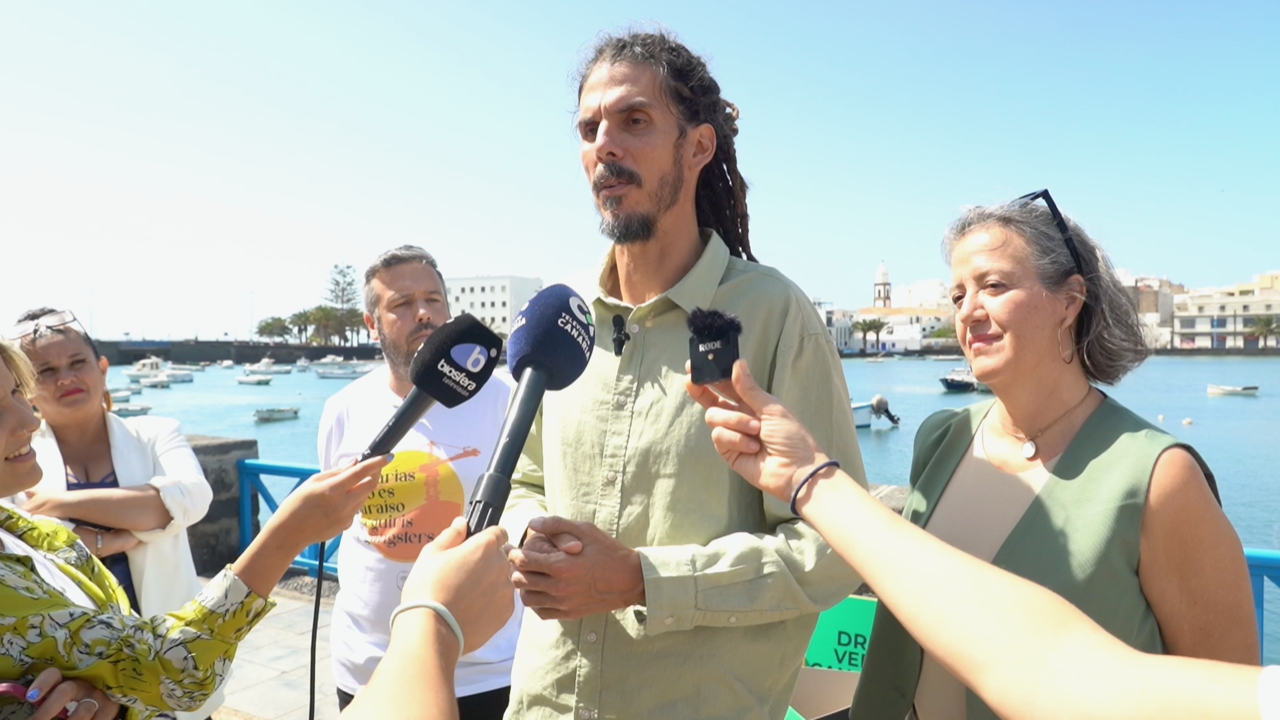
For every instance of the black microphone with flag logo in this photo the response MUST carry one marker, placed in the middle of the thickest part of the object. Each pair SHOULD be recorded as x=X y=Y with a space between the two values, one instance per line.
x=454 y=362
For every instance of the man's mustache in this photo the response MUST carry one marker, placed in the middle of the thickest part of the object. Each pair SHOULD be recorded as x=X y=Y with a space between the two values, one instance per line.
x=614 y=171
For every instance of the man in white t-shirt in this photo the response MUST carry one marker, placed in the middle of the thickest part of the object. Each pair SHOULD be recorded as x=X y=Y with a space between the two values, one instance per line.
x=422 y=490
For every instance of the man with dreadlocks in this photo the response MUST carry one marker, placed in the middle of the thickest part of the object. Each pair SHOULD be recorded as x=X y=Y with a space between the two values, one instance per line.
x=666 y=585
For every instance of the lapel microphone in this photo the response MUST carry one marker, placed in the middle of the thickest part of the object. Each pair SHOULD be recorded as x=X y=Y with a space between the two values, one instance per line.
x=620 y=336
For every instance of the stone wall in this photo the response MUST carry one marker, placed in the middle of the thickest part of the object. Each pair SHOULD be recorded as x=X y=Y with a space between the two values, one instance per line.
x=215 y=540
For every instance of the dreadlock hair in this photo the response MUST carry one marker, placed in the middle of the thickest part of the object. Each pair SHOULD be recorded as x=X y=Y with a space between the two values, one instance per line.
x=694 y=96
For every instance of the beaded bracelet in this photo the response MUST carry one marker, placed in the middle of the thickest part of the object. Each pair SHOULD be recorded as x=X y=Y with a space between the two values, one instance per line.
x=796 y=493
x=441 y=610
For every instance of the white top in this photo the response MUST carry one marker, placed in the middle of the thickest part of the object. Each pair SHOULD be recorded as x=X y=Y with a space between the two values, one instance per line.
x=424 y=488
x=47 y=569
x=1269 y=693
x=976 y=512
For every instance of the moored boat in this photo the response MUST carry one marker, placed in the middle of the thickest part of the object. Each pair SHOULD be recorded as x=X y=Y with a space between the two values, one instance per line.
x=186 y=368
x=120 y=396
x=177 y=376
x=959 y=380
x=131 y=409
x=254 y=379
x=876 y=407
x=276 y=413
x=1233 y=390
x=343 y=372
x=303 y=365
x=947 y=358
x=145 y=368
x=226 y=364
x=267 y=366
x=160 y=381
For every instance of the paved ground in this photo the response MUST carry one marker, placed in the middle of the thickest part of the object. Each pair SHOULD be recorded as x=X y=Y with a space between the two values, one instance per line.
x=269 y=679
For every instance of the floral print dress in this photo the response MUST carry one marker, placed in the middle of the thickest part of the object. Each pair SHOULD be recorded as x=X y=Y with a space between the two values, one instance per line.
x=152 y=666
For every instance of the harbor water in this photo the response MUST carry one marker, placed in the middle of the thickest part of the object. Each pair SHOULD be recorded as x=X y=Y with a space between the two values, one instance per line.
x=1233 y=434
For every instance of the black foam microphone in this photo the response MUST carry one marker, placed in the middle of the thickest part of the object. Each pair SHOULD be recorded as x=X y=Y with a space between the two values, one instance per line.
x=454 y=362
x=713 y=345
x=550 y=344
x=620 y=335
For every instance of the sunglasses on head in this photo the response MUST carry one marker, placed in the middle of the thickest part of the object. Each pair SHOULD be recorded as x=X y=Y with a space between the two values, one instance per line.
x=1057 y=219
x=48 y=322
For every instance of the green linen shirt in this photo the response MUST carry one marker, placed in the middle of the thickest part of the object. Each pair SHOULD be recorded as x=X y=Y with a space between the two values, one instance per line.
x=733 y=581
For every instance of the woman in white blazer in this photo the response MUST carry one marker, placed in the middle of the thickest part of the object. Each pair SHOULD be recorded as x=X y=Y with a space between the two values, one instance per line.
x=129 y=487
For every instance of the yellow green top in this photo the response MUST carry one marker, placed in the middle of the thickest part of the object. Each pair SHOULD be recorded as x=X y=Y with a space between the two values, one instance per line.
x=153 y=666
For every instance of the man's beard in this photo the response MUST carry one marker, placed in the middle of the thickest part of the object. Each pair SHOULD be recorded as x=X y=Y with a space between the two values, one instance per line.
x=399 y=354
x=635 y=227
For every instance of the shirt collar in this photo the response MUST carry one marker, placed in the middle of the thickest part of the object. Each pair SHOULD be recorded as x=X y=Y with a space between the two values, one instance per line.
x=695 y=289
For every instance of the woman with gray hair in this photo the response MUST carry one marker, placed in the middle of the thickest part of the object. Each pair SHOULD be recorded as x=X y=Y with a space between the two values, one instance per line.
x=1053 y=480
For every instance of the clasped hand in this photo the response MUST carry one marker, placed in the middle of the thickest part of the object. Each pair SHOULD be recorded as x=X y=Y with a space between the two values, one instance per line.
x=569 y=569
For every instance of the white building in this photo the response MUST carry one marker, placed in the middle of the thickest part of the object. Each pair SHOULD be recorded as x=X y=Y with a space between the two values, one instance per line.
x=1225 y=317
x=495 y=299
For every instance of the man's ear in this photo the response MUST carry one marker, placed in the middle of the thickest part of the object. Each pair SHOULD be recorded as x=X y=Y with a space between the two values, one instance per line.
x=373 y=327
x=700 y=146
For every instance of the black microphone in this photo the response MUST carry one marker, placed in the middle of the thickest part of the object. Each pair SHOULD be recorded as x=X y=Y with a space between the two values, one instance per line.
x=620 y=336
x=454 y=362
x=713 y=345
x=550 y=344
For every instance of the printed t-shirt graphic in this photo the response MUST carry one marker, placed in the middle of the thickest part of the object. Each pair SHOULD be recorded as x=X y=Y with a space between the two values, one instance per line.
x=418 y=495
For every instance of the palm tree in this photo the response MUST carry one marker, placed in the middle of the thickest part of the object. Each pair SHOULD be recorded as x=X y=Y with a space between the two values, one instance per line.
x=300 y=322
x=325 y=323
x=1264 y=327
x=864 y=327
x=873 y=326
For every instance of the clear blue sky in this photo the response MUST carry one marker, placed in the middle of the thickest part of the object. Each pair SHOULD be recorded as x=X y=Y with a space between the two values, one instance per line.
x=170 y=169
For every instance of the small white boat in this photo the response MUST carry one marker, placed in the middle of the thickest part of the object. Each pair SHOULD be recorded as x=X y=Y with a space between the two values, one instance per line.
x=113 y=389
x=254 y=379
x=947 y=358
x=135 y=387
x=184 y=368
x=1233 y=390
x=155 y=382
x=345 y=372
x=145 y=368
x=226 y=364
x=276 y=413
x=178 y=376
x=331 y=360
x=131 y=409
x=120 y=396
x=912 y=357
x=876 y=407
x=303 y=365
x=267 y=366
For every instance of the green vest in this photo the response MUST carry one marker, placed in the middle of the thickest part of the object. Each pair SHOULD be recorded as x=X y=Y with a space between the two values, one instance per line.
x=1079 y=538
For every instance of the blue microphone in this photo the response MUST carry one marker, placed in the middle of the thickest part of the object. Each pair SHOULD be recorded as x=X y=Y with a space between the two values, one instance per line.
x=550 y=344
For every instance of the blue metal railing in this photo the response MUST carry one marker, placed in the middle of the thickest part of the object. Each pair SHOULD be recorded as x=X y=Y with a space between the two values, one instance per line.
x=251 y=472
x=1263 y=564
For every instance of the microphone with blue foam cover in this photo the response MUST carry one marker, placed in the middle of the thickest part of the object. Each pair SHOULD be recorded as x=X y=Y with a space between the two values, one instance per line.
x=551 y=342
x=713 y=345
x=454 y=362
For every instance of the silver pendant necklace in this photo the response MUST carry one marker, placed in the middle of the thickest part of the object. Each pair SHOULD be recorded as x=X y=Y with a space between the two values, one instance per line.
x=1029 y=442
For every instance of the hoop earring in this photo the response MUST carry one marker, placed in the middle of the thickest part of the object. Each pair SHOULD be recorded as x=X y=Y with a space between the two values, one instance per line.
x=1067 y=360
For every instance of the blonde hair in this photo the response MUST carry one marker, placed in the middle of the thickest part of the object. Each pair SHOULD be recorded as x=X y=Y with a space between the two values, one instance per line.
x=20 y=366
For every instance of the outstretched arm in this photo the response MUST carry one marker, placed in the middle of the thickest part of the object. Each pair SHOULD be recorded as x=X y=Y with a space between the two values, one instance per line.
x=469 y=577
x=1024 y=650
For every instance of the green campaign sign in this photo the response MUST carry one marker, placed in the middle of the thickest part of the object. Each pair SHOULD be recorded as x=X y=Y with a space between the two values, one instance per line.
x=842 y=636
